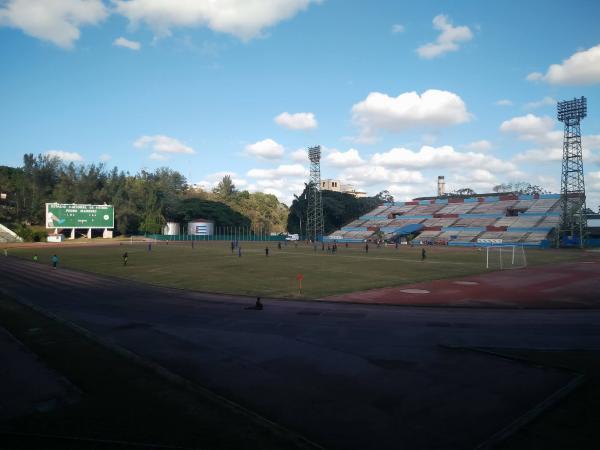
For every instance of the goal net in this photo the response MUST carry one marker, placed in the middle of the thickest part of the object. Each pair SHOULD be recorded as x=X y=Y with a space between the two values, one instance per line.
x=502 y=257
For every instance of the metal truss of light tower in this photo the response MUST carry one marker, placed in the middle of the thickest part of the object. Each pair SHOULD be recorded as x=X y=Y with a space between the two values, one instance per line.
x=314 y=219
x=572 y=186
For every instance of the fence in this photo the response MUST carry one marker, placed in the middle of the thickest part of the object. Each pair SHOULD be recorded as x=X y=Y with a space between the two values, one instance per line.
x=217 y=237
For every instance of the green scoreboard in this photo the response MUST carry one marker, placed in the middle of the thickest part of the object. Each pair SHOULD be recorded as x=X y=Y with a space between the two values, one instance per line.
x=60 y=215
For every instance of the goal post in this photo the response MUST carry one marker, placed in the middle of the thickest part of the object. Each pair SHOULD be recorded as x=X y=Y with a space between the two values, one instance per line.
x=505 y=256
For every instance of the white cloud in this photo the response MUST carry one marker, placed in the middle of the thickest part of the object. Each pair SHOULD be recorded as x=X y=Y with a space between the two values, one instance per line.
x=300 y=155
x=448 y=39
x=56 y=21
x=591 y=141
x=265 y=149
x=548 y=140
x=211 y=181
x=398 y=28
x=440 y=157
x=533 y=128
x=581 y=68
x=536 y=155
x=433 y=108
x=479 y=146
x=406 y=192
x=244 y=19
x=63 y=155
x=370 y=175
x=123 y=42
x=480 y=180
x=297 y=121
x=593 y=179
x=477 y=176
x=553 y=154
x=105 y=157
x=503 y=102
x=161 y=144
x=349 y=158
x=283 y=181
x=534 y=76
x=546 y=101
x=284 y=170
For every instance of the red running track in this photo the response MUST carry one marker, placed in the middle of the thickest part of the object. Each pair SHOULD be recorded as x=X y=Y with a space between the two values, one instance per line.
x=564 y=285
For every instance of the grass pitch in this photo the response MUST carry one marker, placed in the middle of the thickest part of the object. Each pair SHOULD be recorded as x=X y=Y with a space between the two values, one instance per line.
x=213 y=267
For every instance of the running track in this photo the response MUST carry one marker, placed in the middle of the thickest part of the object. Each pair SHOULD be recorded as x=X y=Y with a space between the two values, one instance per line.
x=566 y=285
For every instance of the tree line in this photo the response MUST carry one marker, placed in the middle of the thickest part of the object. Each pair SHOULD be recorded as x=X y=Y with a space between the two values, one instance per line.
x=143 y=202
x=338 y=209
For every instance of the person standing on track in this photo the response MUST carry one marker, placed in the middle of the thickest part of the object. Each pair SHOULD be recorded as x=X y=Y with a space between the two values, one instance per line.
x=125 y=257
x=423 y=254
x=367 y=247
x=239 y=251
x=35 y=258
x=267 y=251
x=54 y=260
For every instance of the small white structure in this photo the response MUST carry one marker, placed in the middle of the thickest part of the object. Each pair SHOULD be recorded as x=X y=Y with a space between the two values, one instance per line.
x=441 y=186
x=172 y=229
x=55 y=238
x=201 y=227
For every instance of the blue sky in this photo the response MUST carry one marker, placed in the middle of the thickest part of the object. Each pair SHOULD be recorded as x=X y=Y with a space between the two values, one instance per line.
x=397 y=93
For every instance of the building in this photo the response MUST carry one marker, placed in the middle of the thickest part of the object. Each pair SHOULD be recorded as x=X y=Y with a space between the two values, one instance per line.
x=201 y=227
x=339 y=186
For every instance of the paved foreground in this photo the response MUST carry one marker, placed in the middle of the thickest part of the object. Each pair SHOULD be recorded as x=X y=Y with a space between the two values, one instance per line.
x=26 y=384
x=346 y=376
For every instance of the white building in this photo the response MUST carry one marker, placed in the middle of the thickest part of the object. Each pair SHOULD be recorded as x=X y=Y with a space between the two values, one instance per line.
x=339 y=186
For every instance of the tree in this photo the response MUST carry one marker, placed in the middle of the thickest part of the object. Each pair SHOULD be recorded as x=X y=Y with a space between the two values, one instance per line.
x=152 y=220
x=143 y=202
x=520 y=188
x=220 y=213
x=338 y=210
x=385 y=197
x=225 y=189
x=464 y=192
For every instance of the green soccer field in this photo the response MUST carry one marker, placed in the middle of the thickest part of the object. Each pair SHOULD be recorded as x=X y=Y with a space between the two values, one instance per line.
x=212 y=267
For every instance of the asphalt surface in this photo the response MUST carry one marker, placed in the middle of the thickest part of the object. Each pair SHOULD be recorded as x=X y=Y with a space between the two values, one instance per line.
x=26 y=384
x=346 y=376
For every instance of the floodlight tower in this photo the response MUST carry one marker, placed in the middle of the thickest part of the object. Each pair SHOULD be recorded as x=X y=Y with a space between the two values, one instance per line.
x=314 y=219
x=572 y=185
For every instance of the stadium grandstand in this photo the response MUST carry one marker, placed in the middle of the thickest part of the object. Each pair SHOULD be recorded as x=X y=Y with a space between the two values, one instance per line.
x=528 y=220
x=7 y=235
